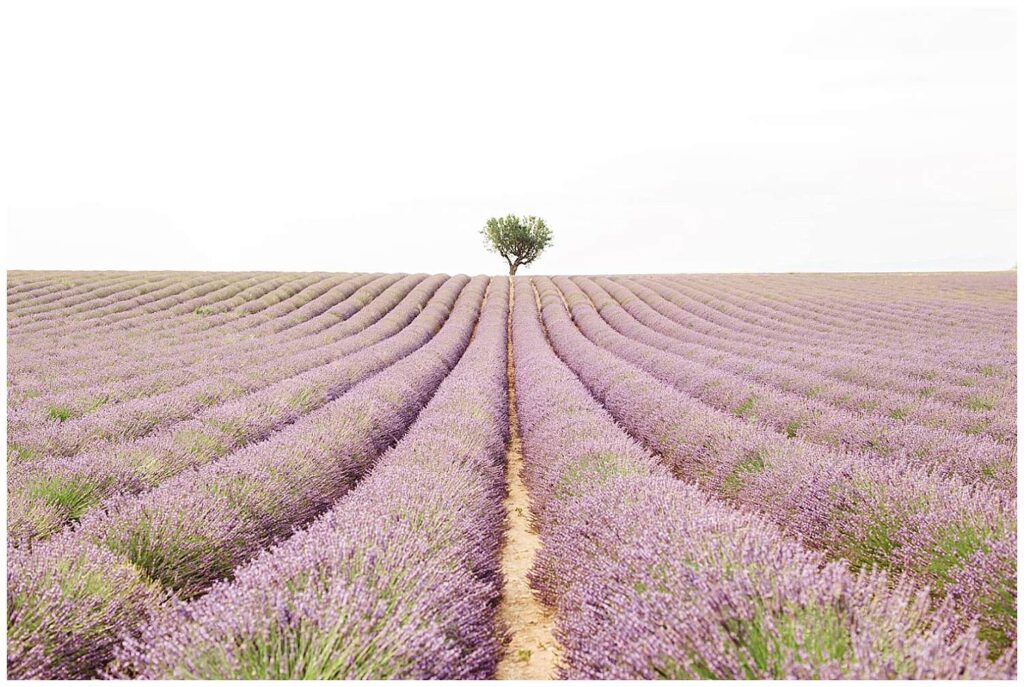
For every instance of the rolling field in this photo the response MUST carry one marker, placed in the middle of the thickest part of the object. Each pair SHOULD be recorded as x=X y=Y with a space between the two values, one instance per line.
x=318 y=475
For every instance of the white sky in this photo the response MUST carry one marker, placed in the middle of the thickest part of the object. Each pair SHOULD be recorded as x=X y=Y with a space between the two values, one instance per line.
x=378 y=136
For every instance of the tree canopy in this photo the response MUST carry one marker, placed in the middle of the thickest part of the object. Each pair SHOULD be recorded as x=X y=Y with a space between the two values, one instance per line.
x=520 y=240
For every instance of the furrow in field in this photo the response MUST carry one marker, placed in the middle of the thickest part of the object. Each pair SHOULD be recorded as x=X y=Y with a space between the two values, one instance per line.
x=532 y=651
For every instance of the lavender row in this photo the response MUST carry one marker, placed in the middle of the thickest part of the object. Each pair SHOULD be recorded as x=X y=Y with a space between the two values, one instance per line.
x=846 y=314
x=206 y=299
x=159 y=340
x=651 y=579
x=23 y=284
x=199 y=527
x=137 y=354
x=866 y=510
x=942 y=452
x=129 y=353
x=965 y=294
x=896 y=352
x=845 y=317
x=836 y=365
x=206 y=359
x=901 y=307
x=36 y=436
x=60 y=290
x=118 y=312
x=909 y=359
x=117 y=305
x=83 y=301
x=783 y=371
x=46 y=494
x=399 y=580
x=48 y=347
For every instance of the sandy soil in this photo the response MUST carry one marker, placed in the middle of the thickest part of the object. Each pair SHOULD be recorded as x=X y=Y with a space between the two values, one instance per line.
x=532 y=652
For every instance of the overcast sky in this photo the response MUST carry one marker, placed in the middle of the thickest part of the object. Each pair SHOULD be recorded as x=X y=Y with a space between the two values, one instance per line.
x=378 y=136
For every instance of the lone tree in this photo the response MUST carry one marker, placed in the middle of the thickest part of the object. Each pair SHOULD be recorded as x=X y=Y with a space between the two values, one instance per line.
x=520 y=240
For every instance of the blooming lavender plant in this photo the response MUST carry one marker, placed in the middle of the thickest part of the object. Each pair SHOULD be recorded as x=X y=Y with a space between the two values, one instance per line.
x=974 y=459
x=36 y=434
x=651 y=578
x=858 y=507
x=46 y=494
x=399 y=580
x=239 y=505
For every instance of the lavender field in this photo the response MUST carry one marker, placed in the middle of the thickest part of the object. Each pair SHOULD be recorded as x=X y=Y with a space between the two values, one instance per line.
x=317 y=475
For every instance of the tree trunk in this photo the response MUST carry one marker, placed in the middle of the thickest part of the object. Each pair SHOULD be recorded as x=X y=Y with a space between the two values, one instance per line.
x=512 y=270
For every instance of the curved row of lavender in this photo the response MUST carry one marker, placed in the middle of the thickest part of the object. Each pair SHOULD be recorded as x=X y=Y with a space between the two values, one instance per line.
x=398 y=580
x=73 y=598
x=895 y=346
x=139 y=303
x=863 y=318
x=212 y=315
x=652 y=579
x=217 y=318
x=806 y=319
x=34 y=435
x=870 y=511
x=73 y=291
x=179 y=326
x=44 y=495
x=182 y=319
x=145 y=368
x=132 y=374
x=906 y=370
x=936 y=394
x=28 y=286
x=947 y=453
x=68 y=354
x=894 y=440
x=928 y=299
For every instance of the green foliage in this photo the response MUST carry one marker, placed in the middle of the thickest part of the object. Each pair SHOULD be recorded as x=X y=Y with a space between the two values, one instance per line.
x=520 y=240
x=978 y=403
x=765 y=642
x=746 y=409
x=58 y=413
x=734 y=482
x=592 y=470
x=954 y=546
x=73 y=496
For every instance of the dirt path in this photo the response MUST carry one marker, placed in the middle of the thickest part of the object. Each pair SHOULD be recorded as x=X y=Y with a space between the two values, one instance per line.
x=532 y=650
